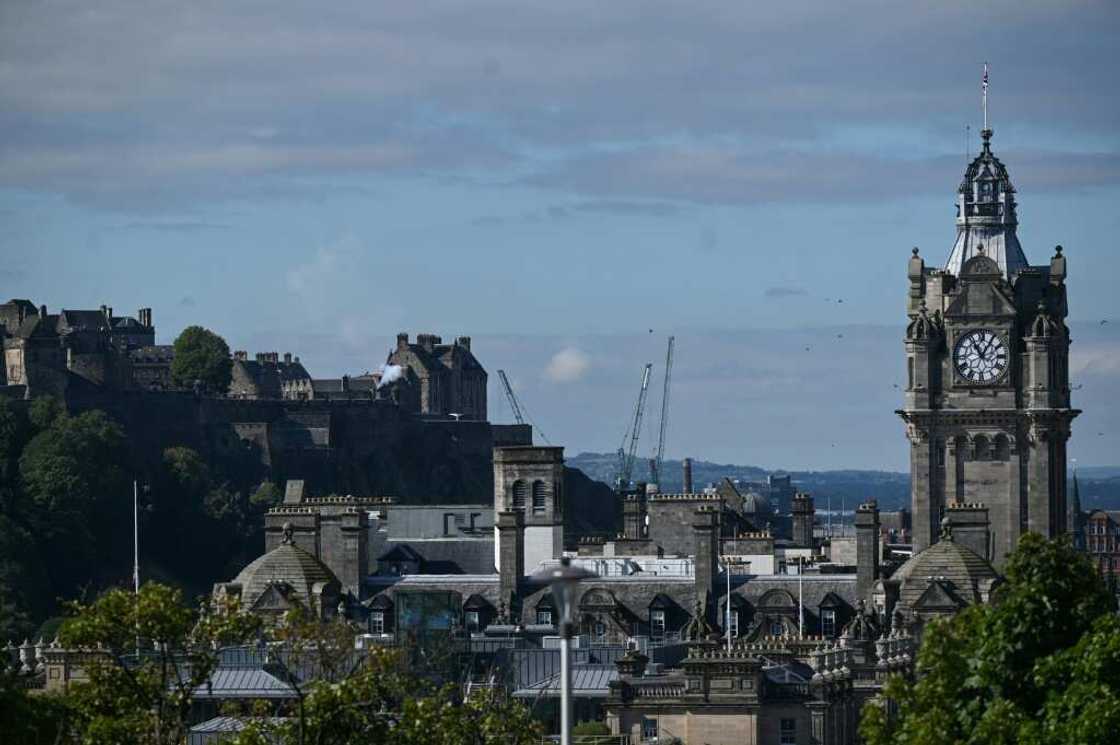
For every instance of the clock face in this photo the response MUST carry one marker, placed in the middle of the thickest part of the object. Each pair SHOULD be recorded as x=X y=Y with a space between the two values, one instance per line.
x=980 y=356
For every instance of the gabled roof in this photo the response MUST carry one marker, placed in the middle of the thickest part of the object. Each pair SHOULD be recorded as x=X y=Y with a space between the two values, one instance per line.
x=477 y=602
x=939 y=596
x=661 y=601
x=382 y=602
x=832 y=600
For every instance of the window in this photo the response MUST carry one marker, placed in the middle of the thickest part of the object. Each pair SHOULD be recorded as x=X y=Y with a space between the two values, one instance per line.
x=472 y=620
x=828 y=622
x=657 y=622
x=599 y=630
x=788 y=732
x=538 y=498
x=776 y=628
x=520 y=491
x=377 y=622
x=544 y=616
x=649 y=728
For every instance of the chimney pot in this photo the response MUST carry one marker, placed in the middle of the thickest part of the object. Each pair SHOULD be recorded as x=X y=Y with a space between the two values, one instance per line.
x=42 y=311
x=287 y=358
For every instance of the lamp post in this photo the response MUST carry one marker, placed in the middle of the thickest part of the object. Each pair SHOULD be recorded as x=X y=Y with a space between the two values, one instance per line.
x=563 y=579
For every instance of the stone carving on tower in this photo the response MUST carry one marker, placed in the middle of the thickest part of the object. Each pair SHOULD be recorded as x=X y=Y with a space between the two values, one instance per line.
x=987 y=406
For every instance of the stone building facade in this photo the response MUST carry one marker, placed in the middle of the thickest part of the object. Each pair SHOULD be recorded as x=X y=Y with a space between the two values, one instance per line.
x=47 y=353
x=448 y=377
x=987 y=407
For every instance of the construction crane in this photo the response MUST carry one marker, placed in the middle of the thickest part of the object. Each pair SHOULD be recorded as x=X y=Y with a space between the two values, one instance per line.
x=627 y=452
x=513 y=403
x=659 y=454
x=518 y=407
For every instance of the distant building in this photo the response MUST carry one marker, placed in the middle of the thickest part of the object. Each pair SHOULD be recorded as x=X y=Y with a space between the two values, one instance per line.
x=267 y=376
x=448 y=377
x=1102 y=541
x=48 y=353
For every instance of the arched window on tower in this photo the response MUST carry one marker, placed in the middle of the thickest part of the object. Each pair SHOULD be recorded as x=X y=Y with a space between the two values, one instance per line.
x=540 y=492
x=983 y=448
x=1002 y=448
x=520 y=492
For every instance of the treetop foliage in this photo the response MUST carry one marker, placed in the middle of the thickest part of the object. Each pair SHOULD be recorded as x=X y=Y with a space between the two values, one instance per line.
x=202 y=357
x=1040 y=665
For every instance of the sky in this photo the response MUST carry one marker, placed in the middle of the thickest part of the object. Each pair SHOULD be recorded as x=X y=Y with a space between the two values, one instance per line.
x=567 y=183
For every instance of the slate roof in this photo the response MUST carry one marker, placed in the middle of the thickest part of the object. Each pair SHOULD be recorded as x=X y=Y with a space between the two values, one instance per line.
x=588 y=681
x=958 y=565
x=243 y=682
x=286 y=563
x=90 y=320
x=153 y=353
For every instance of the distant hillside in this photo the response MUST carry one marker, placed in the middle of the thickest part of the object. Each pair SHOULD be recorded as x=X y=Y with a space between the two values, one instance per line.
x=1099 y=486
x=844 y=487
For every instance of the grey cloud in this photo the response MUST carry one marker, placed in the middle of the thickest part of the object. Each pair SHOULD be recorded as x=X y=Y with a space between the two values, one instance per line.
x=727 y=175
x=780 y=292
x=174 y=227
x=177 y=99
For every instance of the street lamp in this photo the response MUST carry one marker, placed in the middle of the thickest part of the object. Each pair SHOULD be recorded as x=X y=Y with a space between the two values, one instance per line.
x=563 y=580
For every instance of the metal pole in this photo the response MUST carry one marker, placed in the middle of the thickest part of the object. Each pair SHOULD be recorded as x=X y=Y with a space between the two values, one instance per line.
x=135 y=537
x=566 y=685
x=136 y=559
x=729 y=605
x=800 y=604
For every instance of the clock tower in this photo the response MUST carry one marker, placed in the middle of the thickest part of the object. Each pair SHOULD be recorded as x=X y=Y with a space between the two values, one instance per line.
x=987 y=407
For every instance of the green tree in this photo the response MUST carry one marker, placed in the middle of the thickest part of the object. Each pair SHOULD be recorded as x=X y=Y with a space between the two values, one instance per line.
x=267 y=495
x=74 y=478
x=29 y=719
x=202 y=357
x=1041 y=664
x=145 y=700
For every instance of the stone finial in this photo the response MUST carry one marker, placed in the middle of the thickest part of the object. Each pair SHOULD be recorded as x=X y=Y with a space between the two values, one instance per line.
x=1057 y=251
x=914 y=250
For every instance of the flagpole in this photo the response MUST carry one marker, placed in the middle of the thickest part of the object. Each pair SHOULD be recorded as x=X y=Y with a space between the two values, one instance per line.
x=984 y=89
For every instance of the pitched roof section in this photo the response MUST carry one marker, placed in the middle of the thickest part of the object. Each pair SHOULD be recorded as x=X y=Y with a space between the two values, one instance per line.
x=947 y=562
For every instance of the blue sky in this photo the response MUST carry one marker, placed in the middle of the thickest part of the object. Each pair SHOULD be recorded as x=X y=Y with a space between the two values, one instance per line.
x=555 y=180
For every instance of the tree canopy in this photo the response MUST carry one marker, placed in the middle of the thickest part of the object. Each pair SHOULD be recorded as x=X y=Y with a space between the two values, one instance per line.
x=1040 y=665
x=202 y=357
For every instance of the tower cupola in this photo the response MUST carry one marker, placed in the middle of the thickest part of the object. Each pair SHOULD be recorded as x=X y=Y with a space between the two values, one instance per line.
x=986 y=215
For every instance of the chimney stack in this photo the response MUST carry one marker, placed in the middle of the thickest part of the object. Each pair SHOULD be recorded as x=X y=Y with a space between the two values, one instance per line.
x=867 y=548
x=687 y=476
x=464 y=342
x=345 y=383
x=804 y=513
x=42 y=311
x=402 y=342
x=287 y=358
